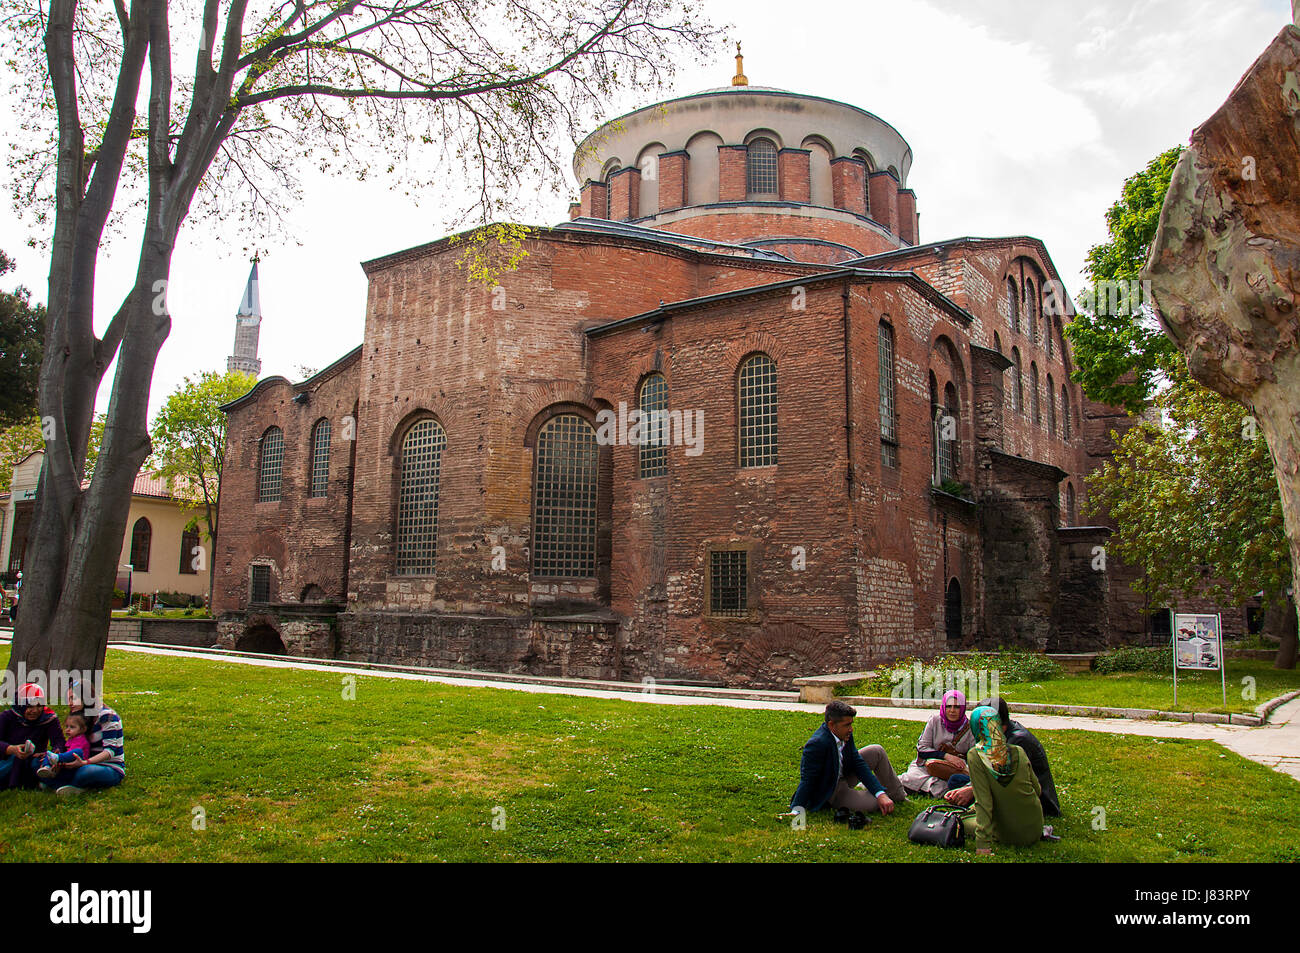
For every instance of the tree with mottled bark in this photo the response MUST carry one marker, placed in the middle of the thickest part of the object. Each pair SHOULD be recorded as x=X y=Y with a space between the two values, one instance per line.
x=481 y=89
x=1225 y=264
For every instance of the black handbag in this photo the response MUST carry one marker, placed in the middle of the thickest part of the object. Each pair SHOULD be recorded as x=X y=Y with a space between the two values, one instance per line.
x=941 y=825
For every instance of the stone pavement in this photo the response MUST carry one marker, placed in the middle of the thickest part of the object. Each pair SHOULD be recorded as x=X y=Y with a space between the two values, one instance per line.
x=1276 y=745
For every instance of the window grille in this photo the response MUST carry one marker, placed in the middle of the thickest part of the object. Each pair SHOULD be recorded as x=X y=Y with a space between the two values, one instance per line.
x=417 y=506
x=728 y=582
x=760 y=168
x=564 y=494
x=654 y=436
x=320 y=457
x=888 y=409
x=757 y=413
x=270 y=460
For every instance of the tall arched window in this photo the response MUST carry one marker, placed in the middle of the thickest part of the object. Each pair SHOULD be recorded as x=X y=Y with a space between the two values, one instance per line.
x=1036 y=410
x=1051 y=406
x=756 y=394
x=1049 y=332
x=653 y=400
x=320 y=457
x=1017 y=383
x=1013 y=305
x=1071 y=512
x=997 y=342
x=270 y=456
x=760 y=168
x=947 y=435
x=141 y=539
x=1031 y=311
x=1065 y=411
x=189 y=543
x=888 y=406
x=417 y=504
x=564 y=498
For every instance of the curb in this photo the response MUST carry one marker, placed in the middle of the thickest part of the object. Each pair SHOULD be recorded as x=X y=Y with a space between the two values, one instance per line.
x=632 y=688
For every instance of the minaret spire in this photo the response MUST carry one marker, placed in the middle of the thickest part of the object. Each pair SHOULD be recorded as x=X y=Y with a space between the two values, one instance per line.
x=248 y=324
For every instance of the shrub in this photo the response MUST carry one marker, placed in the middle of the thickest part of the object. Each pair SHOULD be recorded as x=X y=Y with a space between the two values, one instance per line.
x=1134 y=658
x=1011 y=666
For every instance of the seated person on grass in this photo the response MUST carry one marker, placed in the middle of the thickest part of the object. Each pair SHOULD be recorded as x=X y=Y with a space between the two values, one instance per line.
x=1018 y=734
x=50 y=765
x=106 y=765
x=832 y=765
x=1007 y=805
x=940 y=763
x=27 y=729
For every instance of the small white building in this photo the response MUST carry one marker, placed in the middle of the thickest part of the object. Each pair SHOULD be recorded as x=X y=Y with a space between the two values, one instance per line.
x=156 y=546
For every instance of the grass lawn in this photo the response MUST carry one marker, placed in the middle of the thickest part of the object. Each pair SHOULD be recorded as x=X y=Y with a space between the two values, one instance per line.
x=1197 y=691
x=285 y=769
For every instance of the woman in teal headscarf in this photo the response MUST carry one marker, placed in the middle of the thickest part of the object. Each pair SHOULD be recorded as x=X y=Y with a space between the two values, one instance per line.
x=1007 y=805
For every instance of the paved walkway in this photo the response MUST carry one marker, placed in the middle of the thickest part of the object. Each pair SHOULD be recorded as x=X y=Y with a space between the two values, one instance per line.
x=1276 y=745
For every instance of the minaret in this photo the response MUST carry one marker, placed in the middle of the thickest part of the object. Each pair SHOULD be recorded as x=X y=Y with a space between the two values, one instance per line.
x=248 y=323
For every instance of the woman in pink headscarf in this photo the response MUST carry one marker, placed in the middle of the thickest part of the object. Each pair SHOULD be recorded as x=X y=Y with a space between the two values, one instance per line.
x=941 y=749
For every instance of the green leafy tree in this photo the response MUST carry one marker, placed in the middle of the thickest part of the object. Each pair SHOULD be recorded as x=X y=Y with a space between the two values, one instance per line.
x=22 y=337
x=1195 y=499
x=18 y=441
x=1121 y=353
x=189 y=439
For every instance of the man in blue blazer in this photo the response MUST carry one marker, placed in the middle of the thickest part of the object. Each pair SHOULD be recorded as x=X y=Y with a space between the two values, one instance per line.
x=832 y=766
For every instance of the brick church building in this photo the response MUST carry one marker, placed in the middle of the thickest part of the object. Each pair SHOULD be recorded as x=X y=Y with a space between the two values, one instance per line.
x=866 y=447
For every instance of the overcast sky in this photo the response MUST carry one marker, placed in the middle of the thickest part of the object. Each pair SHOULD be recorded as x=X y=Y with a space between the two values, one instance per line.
x=1024 y=117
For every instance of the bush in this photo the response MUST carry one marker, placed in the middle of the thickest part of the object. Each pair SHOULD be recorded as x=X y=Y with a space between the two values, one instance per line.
x=1134 y=658
x=1011 y=666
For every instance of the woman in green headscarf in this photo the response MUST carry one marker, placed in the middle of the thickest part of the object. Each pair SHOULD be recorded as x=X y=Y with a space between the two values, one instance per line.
x=1007 y=805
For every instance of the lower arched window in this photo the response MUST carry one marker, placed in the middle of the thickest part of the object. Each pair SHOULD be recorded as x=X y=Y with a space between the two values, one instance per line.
x=417 y=505
x=189 y=558
x=653 y=433
x=564 y=498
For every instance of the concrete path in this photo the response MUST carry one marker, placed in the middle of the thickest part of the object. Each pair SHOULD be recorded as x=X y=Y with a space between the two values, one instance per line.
x=1276 y=745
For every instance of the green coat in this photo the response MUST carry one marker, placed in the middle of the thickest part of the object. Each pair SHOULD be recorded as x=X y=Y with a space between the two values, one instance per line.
x=1007 y=815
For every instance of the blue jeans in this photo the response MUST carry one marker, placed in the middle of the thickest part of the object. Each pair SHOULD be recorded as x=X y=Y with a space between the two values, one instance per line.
x=87 y=776
x=958 y=781
x=6 y=764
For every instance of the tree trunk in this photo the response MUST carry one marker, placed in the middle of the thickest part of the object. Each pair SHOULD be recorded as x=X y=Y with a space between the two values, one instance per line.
x=1225 y=264
x=1286 y=631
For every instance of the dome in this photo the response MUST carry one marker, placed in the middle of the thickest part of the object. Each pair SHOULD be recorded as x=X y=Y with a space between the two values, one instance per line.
x=749 y=164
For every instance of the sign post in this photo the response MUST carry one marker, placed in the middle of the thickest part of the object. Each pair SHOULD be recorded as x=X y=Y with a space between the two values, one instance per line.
x=1198 y=645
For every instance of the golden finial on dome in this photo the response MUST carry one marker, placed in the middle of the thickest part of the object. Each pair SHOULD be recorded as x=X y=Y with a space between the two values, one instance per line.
x=740 y=79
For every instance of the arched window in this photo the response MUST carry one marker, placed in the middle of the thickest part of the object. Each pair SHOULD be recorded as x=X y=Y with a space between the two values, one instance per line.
x=654 y=424
x=1071 y=512
x=997 y=342
x=1049 y=332
x=417 y=504
x=756 y=393
x=1013 y=305
x=1017 y=383
x=270 y=456
x=952 y=611
x=760 y=168
x=320 y=457
x=888 y=406
x=1036 y=410
x=189 y=543
x=141 y=538
x=1051 y=406
x=564 y=498
x=1031 y=311
x=947 y=435
x=866 y=178
x=1065 y=412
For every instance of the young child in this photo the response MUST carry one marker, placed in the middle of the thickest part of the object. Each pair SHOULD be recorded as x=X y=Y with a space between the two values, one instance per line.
x=76 y=745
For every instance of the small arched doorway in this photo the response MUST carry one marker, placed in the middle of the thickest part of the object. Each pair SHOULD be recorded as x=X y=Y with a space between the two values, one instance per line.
x=261 y=639
x=952 y=611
